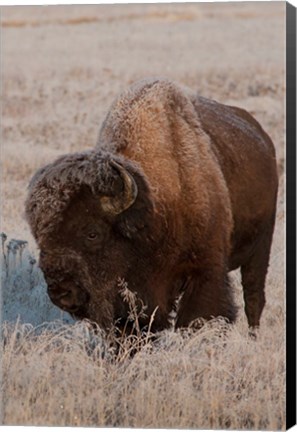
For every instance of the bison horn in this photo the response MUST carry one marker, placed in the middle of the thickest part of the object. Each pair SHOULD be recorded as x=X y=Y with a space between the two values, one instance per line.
x=118 y=204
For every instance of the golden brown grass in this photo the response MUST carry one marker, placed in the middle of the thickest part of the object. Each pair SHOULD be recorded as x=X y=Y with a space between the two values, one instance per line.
x=161 y=12
x=153 y=15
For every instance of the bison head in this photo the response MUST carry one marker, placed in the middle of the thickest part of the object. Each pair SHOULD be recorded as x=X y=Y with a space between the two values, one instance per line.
x=92 y=215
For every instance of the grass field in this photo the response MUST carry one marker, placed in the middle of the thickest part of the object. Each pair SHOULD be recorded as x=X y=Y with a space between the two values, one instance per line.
x=61 y=69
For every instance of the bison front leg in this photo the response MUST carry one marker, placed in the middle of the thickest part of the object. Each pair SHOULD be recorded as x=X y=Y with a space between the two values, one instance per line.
x=253 y=273
x=206 y=295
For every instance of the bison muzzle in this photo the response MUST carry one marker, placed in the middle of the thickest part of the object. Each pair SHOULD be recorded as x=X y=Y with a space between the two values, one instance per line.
x=179 y=191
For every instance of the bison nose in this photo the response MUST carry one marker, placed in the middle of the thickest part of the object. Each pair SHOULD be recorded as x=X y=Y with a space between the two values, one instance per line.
x=57 y=294
x=61 y=297
x=67 y=295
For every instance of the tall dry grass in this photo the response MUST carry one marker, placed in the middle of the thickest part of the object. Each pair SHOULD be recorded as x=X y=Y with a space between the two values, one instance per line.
x=69 y=376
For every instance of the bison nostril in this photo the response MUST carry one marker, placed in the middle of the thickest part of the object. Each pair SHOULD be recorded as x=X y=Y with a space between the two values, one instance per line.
x=65 y=299
x=64 y=294
x=58 y=292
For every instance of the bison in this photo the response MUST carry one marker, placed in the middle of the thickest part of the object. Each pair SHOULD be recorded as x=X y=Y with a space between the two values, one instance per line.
x=179 y=191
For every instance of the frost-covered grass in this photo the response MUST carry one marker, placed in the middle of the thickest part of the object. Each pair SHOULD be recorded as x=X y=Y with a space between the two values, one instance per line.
x=23 y=287
x=69 y=376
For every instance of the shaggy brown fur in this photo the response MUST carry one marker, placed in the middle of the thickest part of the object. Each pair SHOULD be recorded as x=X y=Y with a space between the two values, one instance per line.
x=206 y=182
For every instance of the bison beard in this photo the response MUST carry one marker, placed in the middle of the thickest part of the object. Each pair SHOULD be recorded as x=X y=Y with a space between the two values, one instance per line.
x=179 y=191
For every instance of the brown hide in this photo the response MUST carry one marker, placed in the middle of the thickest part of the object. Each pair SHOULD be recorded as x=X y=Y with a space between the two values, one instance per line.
x=206 y=182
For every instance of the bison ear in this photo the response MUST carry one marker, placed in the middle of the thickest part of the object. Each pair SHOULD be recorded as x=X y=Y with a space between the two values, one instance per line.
x=114 y=205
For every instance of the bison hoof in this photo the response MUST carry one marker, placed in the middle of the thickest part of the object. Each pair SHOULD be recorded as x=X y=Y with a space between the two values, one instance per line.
x=253 y=333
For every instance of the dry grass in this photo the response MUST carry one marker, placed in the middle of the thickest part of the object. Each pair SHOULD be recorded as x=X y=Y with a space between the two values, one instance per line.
x=59 y=78
x=87 y=20
x=69 y=376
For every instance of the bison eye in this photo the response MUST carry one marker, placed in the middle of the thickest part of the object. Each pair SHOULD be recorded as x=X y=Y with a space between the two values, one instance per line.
x=92 y=236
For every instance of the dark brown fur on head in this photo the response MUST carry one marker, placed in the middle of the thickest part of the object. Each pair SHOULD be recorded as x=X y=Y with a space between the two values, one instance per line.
x=64 y=198
x=179 y=191
x=53 y=188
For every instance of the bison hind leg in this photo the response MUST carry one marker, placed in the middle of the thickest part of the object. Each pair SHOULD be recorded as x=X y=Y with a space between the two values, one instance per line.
x=253 y=273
